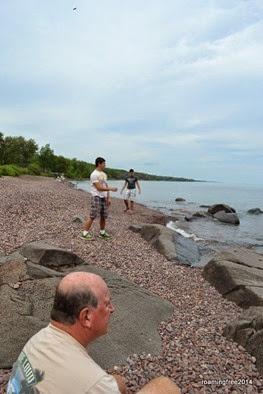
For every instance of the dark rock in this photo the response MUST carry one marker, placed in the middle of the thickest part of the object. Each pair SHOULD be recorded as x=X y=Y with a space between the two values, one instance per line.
x=220 y=207
x=238 y=275
x=179 y=199
x=227 y=217
x=255 y=211
x=49 y=255
x=204 y=206
x=27 y=310
x=189 y=218
x=200 y=214
x=248 y=332
x=171 y=244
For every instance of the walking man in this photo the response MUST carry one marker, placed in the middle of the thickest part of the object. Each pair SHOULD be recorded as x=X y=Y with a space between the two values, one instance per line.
x=100 y=200
x=130 y=182
x=55 y=360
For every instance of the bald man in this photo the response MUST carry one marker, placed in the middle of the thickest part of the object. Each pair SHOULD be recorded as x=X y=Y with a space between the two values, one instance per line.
x=56 y=361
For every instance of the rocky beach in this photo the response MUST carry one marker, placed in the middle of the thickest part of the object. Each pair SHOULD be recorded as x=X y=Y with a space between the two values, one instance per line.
x=195 y=353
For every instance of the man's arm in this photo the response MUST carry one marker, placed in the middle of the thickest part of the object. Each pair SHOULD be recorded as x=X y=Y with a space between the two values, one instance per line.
x=104 y=188
x=124 y=185
x=138 y=186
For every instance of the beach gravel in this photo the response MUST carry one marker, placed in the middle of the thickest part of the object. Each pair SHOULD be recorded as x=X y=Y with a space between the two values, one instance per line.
x=195 y=354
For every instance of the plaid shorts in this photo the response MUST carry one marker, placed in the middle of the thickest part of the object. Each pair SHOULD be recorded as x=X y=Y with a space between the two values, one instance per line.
x=98 y=206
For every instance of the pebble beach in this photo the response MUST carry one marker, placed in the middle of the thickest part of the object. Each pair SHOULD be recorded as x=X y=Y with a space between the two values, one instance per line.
x=195 y=354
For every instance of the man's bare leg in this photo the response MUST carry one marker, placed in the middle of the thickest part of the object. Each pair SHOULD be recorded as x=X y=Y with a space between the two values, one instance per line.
x=126 y=205
x=88 y=224
x=161 y=385
x=102 y=223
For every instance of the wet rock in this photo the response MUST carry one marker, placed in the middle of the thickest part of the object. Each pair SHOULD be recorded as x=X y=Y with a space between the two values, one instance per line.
x=171 y=244
x=227 y=217
x=220 y=207
x=255 y=211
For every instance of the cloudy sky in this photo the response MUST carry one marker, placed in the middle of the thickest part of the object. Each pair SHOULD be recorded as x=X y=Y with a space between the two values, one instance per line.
x=169 y=87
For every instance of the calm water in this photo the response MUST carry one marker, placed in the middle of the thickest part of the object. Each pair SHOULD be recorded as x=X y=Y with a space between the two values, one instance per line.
x=213 y=235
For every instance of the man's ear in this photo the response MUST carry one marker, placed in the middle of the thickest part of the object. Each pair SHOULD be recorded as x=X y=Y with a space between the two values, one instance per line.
x=85 y=317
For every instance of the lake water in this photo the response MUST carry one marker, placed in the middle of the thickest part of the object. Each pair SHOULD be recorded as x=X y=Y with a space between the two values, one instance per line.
x=210 y=235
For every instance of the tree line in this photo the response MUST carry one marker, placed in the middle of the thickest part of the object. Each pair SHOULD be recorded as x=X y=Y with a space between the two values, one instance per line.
x=21 y=156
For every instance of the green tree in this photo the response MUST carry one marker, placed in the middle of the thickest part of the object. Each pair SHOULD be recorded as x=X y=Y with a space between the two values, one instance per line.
x=18 y=150
x=1 y=147
x=46 y=158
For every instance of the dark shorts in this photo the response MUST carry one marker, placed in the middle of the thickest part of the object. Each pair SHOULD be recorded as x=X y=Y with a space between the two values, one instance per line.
x=99 y=206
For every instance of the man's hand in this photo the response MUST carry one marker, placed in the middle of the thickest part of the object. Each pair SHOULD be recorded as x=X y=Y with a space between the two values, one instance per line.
x=108 y=201
x=113 y=189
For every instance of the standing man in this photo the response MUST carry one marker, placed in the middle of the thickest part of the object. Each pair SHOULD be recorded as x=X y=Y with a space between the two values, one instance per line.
x=100 y=200
x=55 y=360
x=130 y=182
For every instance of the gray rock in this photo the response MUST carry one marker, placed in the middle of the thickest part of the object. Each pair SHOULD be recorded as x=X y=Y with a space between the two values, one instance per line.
x=220 y=207
x=138 y=315
x=238 y=275
x=49 y=255
x=179 y=199
x=247 y=331
x=255 y=211
x=78 y=219
x=172 y=245
x=136 y=228
x=27 y=309
x=227 y=217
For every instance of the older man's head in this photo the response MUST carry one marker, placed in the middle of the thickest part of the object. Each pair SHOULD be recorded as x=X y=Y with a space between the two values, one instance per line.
x=82 y=306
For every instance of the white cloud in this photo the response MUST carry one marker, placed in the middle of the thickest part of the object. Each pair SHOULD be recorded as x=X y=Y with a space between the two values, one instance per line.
x=139 y=81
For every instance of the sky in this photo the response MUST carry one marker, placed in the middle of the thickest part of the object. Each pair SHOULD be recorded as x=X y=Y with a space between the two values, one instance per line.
x=167 y=87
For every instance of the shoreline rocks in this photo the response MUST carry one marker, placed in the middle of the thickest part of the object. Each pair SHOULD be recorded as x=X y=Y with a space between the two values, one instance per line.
x=169 y=243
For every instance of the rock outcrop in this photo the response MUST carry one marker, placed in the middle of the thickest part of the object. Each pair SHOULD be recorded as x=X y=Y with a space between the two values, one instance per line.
x=169 y=243
x=238 y=275
x=248 y=332
x=27 y=288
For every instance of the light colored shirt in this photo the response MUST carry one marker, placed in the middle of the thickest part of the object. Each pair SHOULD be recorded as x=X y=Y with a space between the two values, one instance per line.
x=53 y=362
x=101 y=177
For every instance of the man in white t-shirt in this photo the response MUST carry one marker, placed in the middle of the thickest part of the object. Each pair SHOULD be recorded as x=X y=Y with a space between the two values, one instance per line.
x=55 y=360
x=100 y=200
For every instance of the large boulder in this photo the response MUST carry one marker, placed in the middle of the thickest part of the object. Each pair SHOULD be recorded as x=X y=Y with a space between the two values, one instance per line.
x=238 y=275
x=247 y=331
x=227 y=217
x=220 y=207
x=169 y=243
x=49 y=255
x=27 y=290
x=224 y=213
